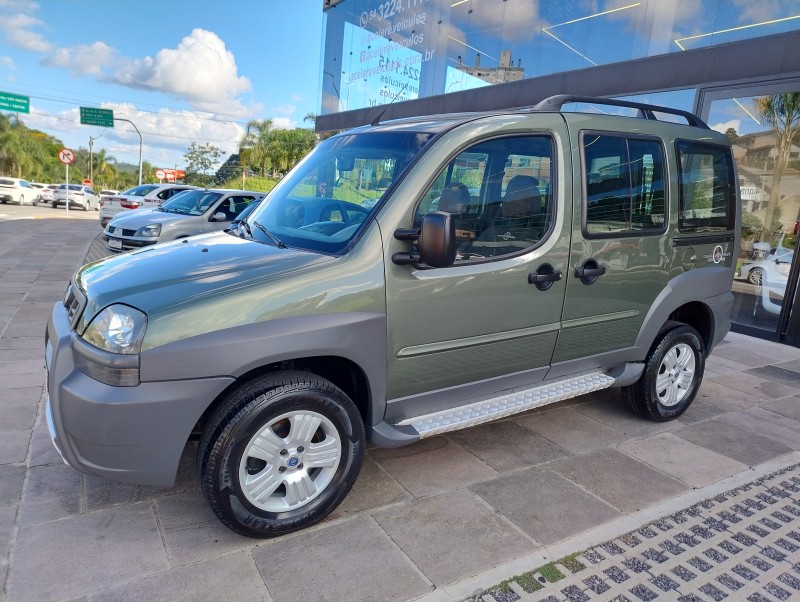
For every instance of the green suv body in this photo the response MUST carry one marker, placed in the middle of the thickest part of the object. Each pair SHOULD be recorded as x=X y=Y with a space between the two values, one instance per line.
x=506 y=261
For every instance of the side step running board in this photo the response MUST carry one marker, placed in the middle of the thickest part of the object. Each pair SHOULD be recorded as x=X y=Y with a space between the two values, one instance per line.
x=499 y=407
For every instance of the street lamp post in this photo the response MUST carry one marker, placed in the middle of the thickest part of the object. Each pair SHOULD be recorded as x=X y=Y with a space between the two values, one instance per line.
x=140 y=144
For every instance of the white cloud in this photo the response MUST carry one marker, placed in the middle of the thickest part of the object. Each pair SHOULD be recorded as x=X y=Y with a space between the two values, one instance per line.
x=517 y=18
x=723 y=127
x=666 y=16
x=758 y=12
x=282 y=123
x=19 y=28
x=200 y=70
x=166 y=134
x=283 y=110
x=84 y=58
x=7 y=62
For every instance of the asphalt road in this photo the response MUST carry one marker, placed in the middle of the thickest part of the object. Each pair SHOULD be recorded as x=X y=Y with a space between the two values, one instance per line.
x=8 y=211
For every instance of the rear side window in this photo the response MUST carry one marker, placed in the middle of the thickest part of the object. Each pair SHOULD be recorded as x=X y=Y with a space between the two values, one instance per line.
x=708 y=196
x=624 y=184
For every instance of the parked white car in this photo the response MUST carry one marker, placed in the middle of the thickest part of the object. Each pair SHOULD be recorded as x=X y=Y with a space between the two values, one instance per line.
x=45 y=192
x=772 y=283
x=753 y=270
x=18 y=191
x=147 y=196
x=82 y=197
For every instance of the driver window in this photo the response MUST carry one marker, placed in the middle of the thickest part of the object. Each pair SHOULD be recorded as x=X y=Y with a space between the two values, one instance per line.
x=500 y=195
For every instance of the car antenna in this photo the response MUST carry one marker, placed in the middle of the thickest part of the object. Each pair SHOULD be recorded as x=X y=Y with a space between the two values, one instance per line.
x=377 y=119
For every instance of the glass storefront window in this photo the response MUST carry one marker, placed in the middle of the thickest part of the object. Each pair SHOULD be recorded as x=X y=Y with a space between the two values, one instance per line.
x=380 y=52
x=765 y=132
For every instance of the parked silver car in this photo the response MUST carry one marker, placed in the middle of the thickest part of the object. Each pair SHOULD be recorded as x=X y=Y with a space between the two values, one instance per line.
x=187 y=213
x=146 y=196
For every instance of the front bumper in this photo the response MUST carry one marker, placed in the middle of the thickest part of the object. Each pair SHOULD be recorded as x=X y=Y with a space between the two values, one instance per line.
x=131 y=434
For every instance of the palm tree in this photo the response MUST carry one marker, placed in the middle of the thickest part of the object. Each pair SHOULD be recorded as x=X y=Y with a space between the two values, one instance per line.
x=106 y=168
x=782 y=112
x=253 y=145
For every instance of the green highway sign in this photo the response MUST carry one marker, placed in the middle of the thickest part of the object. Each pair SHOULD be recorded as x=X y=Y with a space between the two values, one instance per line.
x=15 y=102
x=101 y=117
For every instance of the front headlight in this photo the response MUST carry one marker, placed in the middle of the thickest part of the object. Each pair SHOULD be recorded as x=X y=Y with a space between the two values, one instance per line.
x=118 y=329
x=149 y=231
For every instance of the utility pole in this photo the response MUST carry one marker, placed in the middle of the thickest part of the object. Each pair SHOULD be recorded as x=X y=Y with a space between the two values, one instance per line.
x=91 y=160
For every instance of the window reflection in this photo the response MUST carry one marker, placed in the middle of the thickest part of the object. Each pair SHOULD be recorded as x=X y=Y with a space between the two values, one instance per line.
x=763 y=131
x=380 y=52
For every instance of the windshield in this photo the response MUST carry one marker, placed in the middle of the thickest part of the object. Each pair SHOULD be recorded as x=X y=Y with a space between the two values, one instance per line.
x=191 y=202
x=140 y=190
x=321 y=204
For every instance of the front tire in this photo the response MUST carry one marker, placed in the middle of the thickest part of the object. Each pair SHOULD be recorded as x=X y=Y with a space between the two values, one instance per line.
x=672 y=375
x=280 y=453
x=754 y=276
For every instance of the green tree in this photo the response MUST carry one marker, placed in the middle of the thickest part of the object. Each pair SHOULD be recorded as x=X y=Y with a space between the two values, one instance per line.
x=201 y=160
x=254 y=144
x=782 y=112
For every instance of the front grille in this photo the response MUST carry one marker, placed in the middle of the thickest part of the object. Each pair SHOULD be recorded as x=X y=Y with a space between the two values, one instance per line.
x=75 y=302
x=120 y=231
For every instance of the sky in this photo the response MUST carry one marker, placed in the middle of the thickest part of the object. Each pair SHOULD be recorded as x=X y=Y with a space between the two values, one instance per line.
x=181 y=70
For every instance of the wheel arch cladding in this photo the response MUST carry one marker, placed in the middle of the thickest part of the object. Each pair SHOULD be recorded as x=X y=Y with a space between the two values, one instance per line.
x=348 y=349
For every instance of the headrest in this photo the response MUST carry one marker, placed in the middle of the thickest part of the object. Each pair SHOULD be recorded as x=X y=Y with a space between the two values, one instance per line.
x=455 y=198
x=522 y=197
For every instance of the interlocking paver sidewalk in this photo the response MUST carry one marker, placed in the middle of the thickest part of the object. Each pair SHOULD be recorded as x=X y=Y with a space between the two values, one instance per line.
x=742 y=544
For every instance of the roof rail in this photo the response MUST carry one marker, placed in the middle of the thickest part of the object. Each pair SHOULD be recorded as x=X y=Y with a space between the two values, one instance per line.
x=646 y=111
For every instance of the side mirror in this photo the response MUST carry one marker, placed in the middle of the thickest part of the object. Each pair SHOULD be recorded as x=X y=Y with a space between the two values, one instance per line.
x=219 y=217
x=437 y=240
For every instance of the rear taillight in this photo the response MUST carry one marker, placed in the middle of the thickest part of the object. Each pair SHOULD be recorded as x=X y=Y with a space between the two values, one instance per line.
x=129 y=205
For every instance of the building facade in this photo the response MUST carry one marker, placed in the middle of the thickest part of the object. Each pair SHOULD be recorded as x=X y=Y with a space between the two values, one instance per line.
x=735 y=63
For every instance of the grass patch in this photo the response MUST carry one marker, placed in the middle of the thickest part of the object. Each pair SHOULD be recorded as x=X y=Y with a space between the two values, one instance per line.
x=528 y=582
x=551 y=573
x=572 y=563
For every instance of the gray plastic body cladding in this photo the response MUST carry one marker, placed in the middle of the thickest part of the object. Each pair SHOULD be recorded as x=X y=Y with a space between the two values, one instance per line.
x=714 y=282
x=131 y=434
x=356 y=336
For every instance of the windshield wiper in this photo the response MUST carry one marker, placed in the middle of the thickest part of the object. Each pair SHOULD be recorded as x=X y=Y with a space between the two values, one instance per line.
x=246 y=226
x=279 y=243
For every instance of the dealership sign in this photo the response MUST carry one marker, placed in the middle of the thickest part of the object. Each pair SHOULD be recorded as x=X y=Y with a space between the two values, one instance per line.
x=170 y=175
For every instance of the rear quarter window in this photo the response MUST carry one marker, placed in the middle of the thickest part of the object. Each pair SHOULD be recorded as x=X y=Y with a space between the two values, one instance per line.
x=707 y=187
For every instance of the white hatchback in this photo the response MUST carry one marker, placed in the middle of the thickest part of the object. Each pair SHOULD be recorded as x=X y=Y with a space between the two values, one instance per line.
x=17 y=190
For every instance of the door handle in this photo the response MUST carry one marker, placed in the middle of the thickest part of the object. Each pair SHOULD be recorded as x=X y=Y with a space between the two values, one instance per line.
x=589 y=271
x=544 y=276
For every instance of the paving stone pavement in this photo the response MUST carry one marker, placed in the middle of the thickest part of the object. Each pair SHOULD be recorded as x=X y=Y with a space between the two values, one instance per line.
x=742 y=544
x=442 y=520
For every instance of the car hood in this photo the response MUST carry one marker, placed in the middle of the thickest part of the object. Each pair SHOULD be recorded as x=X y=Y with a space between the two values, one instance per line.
x=166 y=276
x=133 y=220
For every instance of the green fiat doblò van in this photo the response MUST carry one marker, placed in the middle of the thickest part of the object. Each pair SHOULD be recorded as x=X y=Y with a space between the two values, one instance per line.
x=405 y=279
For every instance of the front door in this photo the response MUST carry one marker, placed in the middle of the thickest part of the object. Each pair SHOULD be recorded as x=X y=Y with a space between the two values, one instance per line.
x=496 y=311
x=620 y=258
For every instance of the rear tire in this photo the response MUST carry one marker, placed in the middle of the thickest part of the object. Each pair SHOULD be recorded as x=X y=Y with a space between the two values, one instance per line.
x=280 y=453
x=672 y=375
